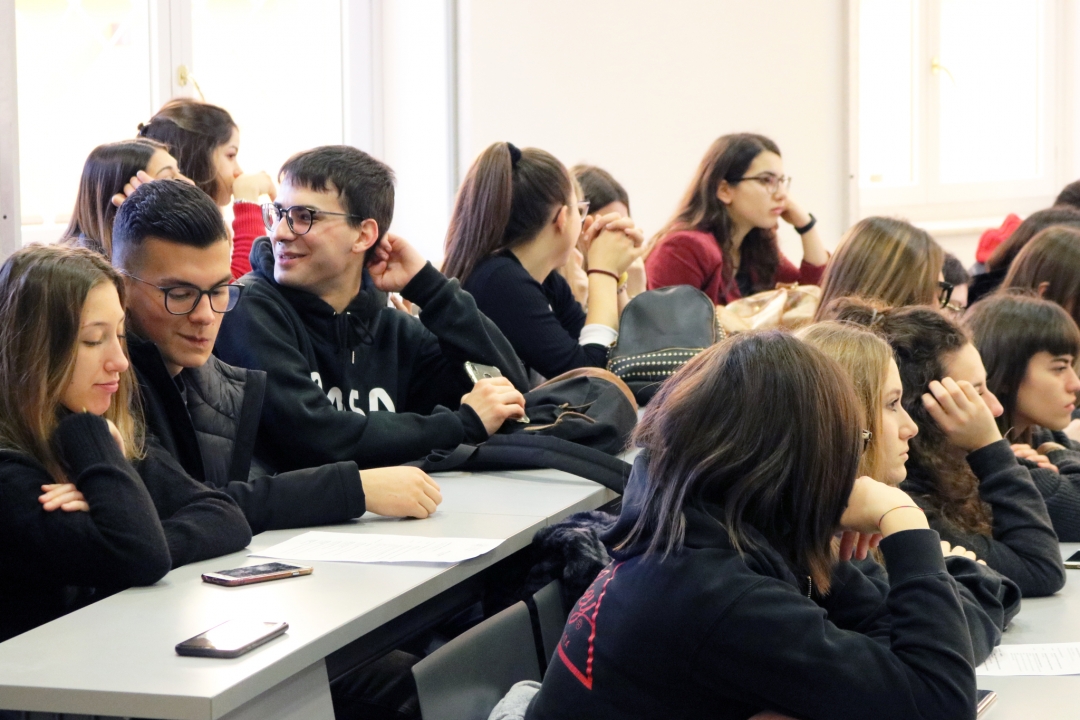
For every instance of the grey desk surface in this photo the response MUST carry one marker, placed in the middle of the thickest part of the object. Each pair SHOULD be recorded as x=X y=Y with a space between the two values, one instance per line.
x=116 y=657
x=1041 y=620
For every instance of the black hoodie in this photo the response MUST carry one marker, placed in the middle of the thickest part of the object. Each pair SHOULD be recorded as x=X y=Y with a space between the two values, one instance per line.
x=332 y=377
x=709 y=633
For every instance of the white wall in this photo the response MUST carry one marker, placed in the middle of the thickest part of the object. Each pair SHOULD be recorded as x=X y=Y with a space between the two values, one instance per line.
x=641 y=88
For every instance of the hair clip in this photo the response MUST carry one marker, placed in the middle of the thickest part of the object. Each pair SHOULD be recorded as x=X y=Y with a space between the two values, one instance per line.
x=515 y=154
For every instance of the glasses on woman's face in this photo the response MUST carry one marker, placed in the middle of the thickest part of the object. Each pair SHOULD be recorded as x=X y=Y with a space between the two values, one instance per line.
x=583 y=209
x=945 y=293
x=299 y=218
x=183 y=299
x=772 y=183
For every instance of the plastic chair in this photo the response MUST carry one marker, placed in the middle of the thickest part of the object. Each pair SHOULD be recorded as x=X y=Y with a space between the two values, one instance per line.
x=464 y=679
x=551 y=618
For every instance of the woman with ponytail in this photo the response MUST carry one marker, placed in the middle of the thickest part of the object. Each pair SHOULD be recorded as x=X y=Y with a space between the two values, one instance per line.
x=516 y=220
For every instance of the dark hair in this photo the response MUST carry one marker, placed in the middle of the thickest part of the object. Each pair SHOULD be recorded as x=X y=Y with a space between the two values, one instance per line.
x=106 y=170
x=193 y=130
x=700 y=209
x=1033 y=224
x=170 y=210
x=503 y=203
x=923 y=339
x=364 y=185
x=43 y=289
x=887 y=259
x=953 y=271
x=1009 y=329
x=599 y=187
x=1053 y=257
x=786 y=475
x=1069 y=196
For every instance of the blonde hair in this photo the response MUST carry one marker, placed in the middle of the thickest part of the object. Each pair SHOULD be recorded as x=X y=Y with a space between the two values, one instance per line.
x=865 y=358
x=884 y=259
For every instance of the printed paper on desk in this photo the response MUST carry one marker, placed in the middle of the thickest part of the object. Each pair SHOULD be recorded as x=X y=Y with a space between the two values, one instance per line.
x=318 y=546
x=1045 y=659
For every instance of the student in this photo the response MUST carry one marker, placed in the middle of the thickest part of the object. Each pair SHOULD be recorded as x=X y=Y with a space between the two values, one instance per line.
x=722 y=239
x=116 y=511
x=606 y=195
x=206 y=141
x=173 y=248
x=346 y=377
x=990 y=600
x=108 y=169
x=1030 y=347
x=957 y=280
x=960 y=469
x=887 y=260
x=1049 y=266
x=997 y=265
x=731 y=510
x=516 y=220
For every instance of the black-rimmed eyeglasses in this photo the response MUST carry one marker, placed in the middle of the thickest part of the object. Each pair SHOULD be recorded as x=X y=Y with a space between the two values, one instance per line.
x=945 y=292
x=183 y=299
x=771 y=182
x=298 y=217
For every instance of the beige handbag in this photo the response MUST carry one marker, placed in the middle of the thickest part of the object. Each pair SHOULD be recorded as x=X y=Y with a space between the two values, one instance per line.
x=788 y=306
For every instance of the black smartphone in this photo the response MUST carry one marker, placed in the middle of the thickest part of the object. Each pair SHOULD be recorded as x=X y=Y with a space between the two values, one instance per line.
x=1073 y=561
x=231 y=639
x=255 y=573
x=983 y=700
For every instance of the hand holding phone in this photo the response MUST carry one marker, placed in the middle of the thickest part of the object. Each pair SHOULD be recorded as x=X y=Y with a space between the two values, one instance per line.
x=478 y=372
x=255 y=574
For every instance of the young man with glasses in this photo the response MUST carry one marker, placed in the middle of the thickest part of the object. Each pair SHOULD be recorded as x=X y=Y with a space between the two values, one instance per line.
x=347 y=377
x=172 y=246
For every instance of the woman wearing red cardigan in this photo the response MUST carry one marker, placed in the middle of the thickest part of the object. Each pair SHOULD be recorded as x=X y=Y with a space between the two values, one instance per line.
x=723 y=238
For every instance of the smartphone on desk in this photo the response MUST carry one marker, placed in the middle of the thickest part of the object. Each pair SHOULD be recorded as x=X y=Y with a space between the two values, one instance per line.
x=983 y=700
x=1073 y=561
x=231 y=639
x=255 y=574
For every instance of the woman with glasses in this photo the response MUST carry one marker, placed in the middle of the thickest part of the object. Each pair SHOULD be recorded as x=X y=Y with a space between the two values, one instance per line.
x=960 y=469
x=887 y=260
x=206 y=142
x=88 y=504
x=517 y=219
x=722 y=239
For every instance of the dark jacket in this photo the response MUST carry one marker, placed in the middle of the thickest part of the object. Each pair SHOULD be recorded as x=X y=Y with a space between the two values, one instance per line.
x=332 y=377
x=208 y=418
x=143 y=520
x=1061 y=489
x=1023 y=546
x=541 y=321
x=710 y=633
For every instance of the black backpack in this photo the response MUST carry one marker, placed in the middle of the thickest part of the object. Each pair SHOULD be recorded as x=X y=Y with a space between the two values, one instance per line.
x=659 y=331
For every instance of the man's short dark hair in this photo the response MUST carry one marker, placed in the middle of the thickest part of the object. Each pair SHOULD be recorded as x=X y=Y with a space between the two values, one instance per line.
x=364 y=185
x=170 y=210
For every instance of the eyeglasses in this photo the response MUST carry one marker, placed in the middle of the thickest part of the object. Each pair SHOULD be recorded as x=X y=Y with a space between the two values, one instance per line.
x=299 y=217
x=183 y=299
x=771 y=182
x=946 y=293
x=867 y=436
x=583 y=208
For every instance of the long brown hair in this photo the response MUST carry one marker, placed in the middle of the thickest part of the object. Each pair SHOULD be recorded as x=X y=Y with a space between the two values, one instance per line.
x=1008 y=329
x=886 y=259
x=700 y=209
x=713 y=433
x=105 y=172
x=506 y=200
x=1053 y=257
x=865 y=357
x=42 y=292
x=193 y=130
x=923 y=339
x=1035 y=223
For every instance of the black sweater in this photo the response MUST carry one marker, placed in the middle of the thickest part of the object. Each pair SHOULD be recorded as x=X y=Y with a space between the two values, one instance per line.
x=1061 y=489
x=208 y=421
x=142 y=521
x=542 y=322
x=331 y=376
x=710 y=633
x=1023 y=546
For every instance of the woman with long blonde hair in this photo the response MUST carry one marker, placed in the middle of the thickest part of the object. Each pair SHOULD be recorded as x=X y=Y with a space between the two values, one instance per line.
x=88 y=505
x=887 y=260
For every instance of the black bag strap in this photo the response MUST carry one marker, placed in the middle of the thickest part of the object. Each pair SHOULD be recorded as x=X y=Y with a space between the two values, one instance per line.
x=521 y=451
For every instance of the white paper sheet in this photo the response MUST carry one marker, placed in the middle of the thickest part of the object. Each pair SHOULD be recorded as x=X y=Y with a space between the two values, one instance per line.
x=1046 y=659
x=318 y=546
